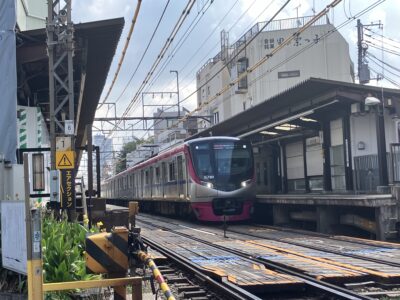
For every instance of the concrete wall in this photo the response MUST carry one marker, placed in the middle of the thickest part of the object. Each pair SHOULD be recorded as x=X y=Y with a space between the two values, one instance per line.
x=363 y=129
x=328 y=58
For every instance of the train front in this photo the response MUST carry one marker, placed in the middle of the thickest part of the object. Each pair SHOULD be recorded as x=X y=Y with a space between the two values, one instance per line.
x=222 y=173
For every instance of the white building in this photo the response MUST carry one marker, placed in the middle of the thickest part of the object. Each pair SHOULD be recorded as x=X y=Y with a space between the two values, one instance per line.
x=309 y=55
x=167 y=130
x=31 y=14
x=106 y=150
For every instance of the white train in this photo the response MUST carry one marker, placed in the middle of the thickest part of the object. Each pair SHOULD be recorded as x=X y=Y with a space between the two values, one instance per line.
x=209 y=177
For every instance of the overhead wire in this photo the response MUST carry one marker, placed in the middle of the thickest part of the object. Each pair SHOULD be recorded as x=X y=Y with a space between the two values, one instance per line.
x=182 y=40
x=121 y=60
x=385 y=37
x=343 y=24
x=241 y=16
x=383 y=48
x=176 y=48
x=284 y=42
x=369 y=54
x=392 y=81
x=212 y=32
x=159 y=58
x=145 y=51
x=249 y=69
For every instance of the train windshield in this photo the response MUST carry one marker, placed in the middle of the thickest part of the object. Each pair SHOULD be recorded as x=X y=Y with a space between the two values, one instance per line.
x=223 y=162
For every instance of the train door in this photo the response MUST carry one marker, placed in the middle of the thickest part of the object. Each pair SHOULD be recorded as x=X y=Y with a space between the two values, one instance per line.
x=141 y=194
x=151 y=182
x=180 y=179
x=157 y=181
x=163 y=178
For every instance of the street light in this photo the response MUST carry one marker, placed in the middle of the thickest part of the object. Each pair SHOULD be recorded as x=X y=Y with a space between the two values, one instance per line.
x=177 y=90
x=371 y=101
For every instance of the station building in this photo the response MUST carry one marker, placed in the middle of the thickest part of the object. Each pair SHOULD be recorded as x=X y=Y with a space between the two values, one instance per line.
x=326 y=149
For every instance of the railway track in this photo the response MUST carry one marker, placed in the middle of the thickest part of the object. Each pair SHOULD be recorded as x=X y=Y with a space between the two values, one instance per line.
x=167 y=235
x=373 y=251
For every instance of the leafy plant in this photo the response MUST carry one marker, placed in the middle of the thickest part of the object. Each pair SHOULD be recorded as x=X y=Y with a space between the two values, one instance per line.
x=63 y=245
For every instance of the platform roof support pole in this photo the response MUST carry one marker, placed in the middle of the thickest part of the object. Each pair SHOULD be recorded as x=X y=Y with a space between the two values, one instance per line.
x=90 y=171
x=348 y=165
x=306 y=181
x=381 y=143
x=326 y=145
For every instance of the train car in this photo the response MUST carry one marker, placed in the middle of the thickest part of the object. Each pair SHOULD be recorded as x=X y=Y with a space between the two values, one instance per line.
x=209 y=177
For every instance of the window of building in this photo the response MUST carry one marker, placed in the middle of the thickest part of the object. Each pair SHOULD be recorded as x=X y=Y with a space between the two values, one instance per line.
x=244 y=105
x=216 y=117
x=208 y=91
x=242 y=65
x=171 y=171
x=147 y=177
x=269 y=43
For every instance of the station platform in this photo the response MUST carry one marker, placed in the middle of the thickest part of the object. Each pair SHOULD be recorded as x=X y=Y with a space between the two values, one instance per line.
x=375 y=214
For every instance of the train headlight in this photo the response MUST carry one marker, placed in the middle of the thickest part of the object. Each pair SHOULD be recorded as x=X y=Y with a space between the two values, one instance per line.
x=207 y=184
x=245 y=183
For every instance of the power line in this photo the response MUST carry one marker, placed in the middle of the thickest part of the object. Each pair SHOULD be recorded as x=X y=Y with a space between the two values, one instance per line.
x=212 y=32
x=386 y=77
x=182 y=40
x=267 y=23
x=145 y=51
x=164 y=49
x=234 y=24
x=343 y=24
x=381 y=61
x=256 y=65
x=381 y=65
x=381 y=35
x=286 y=41
x=128 y=38
x=380 y=41
x=382 y=48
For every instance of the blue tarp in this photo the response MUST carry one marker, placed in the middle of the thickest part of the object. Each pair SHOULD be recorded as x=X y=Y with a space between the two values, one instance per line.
x=8 y=80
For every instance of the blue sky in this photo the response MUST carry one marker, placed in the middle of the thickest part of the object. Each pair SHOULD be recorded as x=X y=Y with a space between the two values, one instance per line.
x=185 y=61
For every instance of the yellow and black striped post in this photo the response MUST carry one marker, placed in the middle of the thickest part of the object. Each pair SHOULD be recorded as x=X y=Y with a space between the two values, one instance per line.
x=108 y=253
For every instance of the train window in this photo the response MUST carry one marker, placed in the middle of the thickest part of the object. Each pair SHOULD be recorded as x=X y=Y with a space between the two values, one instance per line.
x=157 y=173
x=180 y=167
x=258 y=173
x=171 y=171
x=164 y=172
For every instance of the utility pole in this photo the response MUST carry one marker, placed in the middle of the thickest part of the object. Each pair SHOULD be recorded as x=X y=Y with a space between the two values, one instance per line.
x=359 y=46
x=177 y=91
x=60 y=46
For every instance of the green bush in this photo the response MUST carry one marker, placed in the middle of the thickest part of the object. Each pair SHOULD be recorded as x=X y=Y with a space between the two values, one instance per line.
x=63 y=245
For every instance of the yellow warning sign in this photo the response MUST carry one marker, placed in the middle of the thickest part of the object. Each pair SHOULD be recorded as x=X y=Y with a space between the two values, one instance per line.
x=65 y=160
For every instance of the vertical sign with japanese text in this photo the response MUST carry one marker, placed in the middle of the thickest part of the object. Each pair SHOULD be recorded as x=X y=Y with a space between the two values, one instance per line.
x=67 y=189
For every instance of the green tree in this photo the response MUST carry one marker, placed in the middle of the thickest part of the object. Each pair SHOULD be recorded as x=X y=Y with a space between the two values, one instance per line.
x=126 y=148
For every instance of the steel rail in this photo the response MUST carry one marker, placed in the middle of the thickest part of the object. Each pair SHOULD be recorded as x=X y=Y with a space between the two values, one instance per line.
x=371 y=259
x=236 y=293
x=312 y=282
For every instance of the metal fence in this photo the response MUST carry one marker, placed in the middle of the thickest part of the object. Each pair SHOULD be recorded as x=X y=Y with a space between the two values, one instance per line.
x=366 y=169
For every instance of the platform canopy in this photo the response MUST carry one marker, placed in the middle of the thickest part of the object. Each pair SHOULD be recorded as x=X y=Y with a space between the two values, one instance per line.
x=95 y=46
x=300 y=108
